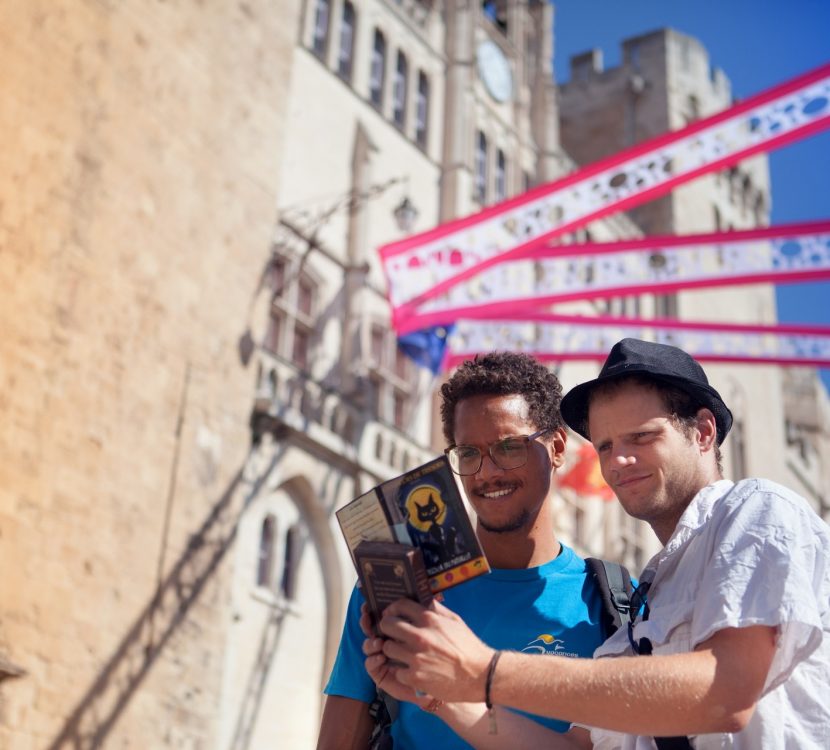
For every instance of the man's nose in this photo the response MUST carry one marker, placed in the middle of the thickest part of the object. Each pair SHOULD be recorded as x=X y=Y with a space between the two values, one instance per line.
x=623 y=458
x=488 y=466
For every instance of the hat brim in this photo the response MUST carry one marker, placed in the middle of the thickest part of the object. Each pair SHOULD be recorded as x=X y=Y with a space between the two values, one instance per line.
x=574 y=406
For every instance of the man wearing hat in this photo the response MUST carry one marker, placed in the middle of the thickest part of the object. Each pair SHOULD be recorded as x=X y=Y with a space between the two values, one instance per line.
x=730 y=646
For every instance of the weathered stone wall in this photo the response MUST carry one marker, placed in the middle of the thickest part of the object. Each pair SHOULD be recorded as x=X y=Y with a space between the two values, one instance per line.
x=138 y=179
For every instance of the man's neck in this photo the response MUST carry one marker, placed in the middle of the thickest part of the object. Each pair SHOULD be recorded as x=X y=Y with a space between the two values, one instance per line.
x=664 y=528
x=523 y=548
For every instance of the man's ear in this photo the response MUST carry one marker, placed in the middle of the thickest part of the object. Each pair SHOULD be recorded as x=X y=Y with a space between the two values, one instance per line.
x=707 y=430
x=556 y=447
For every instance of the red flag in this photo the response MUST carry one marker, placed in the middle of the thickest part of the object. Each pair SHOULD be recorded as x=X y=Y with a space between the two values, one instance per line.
x=585 y=477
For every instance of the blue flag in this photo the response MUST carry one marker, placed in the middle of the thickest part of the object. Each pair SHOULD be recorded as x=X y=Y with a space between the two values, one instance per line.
x=426 y=347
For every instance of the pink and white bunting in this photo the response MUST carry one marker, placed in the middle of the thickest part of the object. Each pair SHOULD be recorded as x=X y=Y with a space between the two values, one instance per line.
x=425 y=265
x=555 y=338
x=782 y=254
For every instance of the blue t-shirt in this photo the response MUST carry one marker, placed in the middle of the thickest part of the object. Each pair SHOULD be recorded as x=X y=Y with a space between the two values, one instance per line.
x=553 y=609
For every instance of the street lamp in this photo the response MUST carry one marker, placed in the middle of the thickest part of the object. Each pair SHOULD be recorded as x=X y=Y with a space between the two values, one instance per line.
x=405 y=214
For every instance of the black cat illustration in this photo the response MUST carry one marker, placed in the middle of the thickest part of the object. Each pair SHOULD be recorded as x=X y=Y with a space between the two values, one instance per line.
x=442 y=544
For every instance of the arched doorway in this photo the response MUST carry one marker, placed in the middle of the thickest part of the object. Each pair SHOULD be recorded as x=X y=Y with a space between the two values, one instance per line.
x=282 y=604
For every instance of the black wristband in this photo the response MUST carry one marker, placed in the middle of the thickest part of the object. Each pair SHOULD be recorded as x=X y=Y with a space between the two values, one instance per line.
x=488 y=684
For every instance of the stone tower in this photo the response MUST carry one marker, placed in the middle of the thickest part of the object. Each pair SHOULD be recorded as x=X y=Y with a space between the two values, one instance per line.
x=665 y=81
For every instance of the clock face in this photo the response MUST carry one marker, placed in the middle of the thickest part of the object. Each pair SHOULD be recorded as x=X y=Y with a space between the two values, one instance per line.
x=494 y=71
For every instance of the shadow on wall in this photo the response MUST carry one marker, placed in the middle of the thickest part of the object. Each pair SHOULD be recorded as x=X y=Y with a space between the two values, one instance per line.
x=257 y=681
x=98 y=710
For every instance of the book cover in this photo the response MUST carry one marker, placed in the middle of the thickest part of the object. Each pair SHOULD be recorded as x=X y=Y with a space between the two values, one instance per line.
x=390 y=571
x=424 y=508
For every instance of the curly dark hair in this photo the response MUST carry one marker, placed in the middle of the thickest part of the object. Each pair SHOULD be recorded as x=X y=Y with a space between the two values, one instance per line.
x=504 y=374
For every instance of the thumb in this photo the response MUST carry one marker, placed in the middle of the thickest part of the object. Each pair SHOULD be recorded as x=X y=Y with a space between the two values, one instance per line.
x=441 y=609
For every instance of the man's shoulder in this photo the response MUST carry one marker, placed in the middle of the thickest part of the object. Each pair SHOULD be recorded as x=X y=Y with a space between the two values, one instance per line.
x=758 y=493
x=756 y=501
x=761 y=484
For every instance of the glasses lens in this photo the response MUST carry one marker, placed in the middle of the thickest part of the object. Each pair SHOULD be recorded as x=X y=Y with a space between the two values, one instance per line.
x=465 y=459
x=510 y=453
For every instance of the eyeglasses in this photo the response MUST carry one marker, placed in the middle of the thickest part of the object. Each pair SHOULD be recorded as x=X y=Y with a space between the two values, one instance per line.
x=508 y=453
x=639 y=599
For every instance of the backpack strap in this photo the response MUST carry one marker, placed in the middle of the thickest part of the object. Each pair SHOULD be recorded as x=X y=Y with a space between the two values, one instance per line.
x=614 y=583
x=384 y=710
x=673 y=743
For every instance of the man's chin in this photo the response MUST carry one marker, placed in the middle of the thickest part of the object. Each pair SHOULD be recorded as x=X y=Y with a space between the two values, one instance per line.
x=506 y=527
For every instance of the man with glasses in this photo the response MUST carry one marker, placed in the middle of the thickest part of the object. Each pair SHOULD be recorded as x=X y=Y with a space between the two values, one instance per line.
x=500 y=416
x=731 y=643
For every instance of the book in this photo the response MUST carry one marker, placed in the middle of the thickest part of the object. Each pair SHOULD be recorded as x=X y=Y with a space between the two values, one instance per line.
x=422 y=508
x=389 y=571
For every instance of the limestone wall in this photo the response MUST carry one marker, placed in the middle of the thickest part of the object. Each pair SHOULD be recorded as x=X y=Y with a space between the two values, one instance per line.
x=138 y=178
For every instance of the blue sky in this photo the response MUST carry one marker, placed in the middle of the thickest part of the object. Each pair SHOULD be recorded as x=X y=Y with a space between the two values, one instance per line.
x=757 y=43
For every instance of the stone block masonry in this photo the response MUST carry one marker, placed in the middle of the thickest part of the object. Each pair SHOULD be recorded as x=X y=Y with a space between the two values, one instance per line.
x=138 y=180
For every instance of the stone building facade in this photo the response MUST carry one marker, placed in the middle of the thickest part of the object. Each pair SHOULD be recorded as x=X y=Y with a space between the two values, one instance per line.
x=386 y=112
x=197 y=365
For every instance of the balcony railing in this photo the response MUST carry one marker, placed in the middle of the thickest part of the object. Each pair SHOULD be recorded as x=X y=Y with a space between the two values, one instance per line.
x=289 y=402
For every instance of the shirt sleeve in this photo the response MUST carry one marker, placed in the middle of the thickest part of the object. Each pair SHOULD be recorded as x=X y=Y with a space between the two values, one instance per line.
x=605 y=739
x=768 y=567
x=349 y=678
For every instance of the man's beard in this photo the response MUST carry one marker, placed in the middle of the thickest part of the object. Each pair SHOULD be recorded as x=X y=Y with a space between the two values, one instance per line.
x=519 y=522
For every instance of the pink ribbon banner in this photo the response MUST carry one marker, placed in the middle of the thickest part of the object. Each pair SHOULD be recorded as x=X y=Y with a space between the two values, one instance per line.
x=783 y=254
x=556 y=338
x=425 y=265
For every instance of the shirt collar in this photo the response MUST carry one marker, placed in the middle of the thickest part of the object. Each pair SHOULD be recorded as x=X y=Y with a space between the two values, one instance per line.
x=694 y=517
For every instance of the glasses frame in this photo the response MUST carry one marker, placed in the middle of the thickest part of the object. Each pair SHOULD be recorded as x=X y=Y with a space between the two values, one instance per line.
x=526 y=438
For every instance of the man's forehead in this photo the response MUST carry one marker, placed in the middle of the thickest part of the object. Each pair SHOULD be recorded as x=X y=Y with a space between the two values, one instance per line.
x=630 y=404
x=476 y=413
x=514 y=403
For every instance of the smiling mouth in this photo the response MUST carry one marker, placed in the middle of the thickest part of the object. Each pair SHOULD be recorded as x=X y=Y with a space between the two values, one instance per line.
x=495 y=494
x=631 y=480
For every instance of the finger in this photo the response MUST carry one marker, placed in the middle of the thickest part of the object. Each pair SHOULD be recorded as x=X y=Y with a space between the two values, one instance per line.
x=386 y=680
x=375 y=662
x=406 y=609
x=398 y=628
x=397 y=652
x=404 y=677
x=440 y=609
x=372 y=646
x=367 y=622
x=377 y=667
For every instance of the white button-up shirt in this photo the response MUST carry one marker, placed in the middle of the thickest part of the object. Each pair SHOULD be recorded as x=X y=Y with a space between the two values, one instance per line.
x=752 y=553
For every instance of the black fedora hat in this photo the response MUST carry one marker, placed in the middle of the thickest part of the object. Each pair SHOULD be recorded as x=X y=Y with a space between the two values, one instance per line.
x=660 y=362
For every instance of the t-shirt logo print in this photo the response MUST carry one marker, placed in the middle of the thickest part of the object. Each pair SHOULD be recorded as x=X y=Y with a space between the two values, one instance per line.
x=548 y=644
x=545 y=644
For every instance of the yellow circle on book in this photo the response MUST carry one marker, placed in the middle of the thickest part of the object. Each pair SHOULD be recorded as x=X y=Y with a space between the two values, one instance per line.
x=425 y=507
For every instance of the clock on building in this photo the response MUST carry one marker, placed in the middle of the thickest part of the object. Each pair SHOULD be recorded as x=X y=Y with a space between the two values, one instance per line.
x=494 y=70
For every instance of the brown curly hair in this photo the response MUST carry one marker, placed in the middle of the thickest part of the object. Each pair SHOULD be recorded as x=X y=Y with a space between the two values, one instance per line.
x=504 y=374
